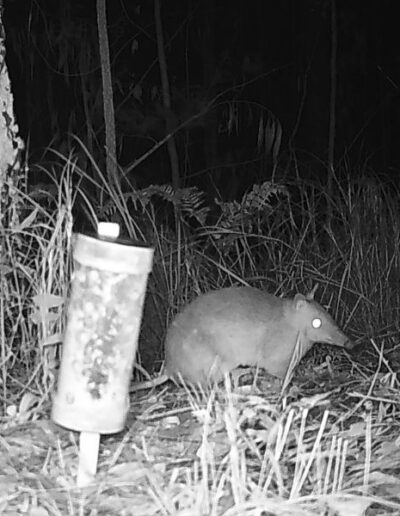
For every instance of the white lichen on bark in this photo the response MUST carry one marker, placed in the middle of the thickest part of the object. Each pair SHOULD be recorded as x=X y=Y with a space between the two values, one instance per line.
x=10 y=143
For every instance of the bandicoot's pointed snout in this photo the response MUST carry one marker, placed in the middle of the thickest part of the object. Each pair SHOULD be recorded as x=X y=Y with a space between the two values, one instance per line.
x=338 y=338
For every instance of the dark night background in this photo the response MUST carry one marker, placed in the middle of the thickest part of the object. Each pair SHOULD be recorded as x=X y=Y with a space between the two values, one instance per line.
x=262 y=60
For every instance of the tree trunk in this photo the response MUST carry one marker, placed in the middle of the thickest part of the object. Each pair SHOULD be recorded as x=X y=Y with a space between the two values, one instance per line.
x=11 y=146
x=173 y=154
x=332 y=108
x=109 y=118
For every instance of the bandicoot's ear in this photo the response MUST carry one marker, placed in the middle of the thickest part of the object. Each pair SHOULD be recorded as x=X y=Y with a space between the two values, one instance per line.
x=299 y=301
x=310 y=295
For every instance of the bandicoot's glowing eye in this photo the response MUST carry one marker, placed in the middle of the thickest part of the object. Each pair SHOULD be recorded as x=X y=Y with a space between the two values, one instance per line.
x=316 y=323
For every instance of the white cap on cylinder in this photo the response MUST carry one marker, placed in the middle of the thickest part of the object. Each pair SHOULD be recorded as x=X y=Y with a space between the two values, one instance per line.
x=108 y=230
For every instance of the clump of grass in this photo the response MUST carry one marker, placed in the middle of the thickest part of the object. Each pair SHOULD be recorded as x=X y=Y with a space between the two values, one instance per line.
x=35 y=280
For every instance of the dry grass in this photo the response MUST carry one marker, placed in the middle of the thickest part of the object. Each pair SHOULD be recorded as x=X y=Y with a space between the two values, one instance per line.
x=233 y=452
x=328 y=446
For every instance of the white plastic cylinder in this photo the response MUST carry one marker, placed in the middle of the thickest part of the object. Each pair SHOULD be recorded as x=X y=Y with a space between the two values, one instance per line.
x=104 y=316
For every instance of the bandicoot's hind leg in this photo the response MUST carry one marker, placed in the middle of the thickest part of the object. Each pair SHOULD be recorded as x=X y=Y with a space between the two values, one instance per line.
x=201 y=366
